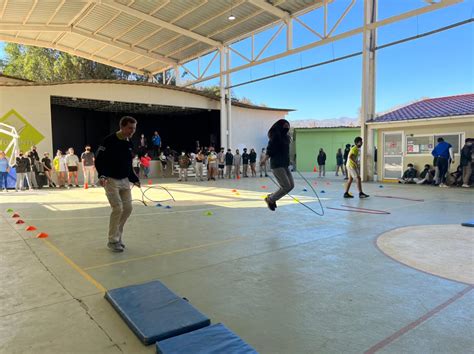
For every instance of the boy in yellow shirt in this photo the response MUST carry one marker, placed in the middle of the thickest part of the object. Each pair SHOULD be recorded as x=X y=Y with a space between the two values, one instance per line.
x=353 y=169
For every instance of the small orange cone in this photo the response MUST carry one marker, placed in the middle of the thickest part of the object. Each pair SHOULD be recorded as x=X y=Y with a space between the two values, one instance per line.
x=315 y=169
x=42 y=235
x=150 y=182
x=19 y=221
x=30 y=228
x=238 y=176
x=15 y=215
x=86 y=186
x=263 y=187
x=234 y=190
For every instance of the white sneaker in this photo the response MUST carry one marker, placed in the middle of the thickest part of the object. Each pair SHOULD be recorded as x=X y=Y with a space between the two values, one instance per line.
x=465 y=186
x=442 y=185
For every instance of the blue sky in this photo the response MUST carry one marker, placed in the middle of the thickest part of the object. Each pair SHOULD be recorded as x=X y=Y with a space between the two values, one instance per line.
x=437 y=65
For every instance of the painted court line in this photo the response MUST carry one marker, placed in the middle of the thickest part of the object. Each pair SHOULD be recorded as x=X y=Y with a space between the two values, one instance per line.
x=76 y=267
x=417 y=322
x=165 y=253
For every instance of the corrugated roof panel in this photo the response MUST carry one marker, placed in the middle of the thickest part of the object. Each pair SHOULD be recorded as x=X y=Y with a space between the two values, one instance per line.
x=140 y=31
x=186 y=53
x=16 y=11
x=175 y=45
x=246 y=26
x=109 y=52
x=176 y=8
x=141 y=62
x=124 y=57
x=91 y=46
x=42 y=13
x=71 y=40
x=67 y=12
x=147 y=6
x=97 y=18
x=118 y=26
x=202 y=14
x=293 y=6
x=47 y=36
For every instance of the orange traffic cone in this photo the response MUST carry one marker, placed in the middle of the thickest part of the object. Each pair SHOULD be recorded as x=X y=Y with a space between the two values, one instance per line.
x=86 y=186
x=238 y=176
x=19 y=221
x=234 y=190
x=42 y=235
x=150 y=182
x=15 y=215
x=31 y=228
x=315 y=169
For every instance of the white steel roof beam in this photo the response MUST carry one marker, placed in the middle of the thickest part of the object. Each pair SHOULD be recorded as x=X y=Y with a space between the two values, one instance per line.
x=55 y=12
x=138 y=14
x=27 y=17
x=267 y=7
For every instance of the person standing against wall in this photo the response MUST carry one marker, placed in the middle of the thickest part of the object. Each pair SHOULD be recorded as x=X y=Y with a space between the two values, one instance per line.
x=221 y=163
x=156 y=141
x=263 y=163
x=443 y=152
x=229 y=161
x=253 y=162
x=22 y=165
x=237 y=162
x=4 y=170
x=72 y=163
x=48 y=169
x=322 y=162
x=245 y=163
x=88 y=166
x=339 y=162
x=199 y=165
x=183 y=162
x=114 y=165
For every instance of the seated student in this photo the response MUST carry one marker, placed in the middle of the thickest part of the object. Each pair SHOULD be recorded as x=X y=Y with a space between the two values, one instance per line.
x=455 y=178
x=426 y=176
x=409 y=175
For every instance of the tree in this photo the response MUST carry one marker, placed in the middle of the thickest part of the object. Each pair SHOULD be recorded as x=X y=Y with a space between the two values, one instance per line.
x=43 y=64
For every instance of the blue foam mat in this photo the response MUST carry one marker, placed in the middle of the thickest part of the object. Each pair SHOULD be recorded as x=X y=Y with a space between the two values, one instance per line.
x=215 y=339
x=154 y=312
x=468 y=223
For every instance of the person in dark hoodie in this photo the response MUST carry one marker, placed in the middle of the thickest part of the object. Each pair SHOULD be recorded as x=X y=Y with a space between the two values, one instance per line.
x=278 y=150
x=114 y=166
x=346 y=156
x=22 y=165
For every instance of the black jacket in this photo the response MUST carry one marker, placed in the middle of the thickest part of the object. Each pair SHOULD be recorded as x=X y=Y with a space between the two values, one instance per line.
x=278 y=145
x=114 y=159
x=245 y=158
x=346 y=154
x=322 y=159
x=229 y=159
x=253 y=157
x=22 y=164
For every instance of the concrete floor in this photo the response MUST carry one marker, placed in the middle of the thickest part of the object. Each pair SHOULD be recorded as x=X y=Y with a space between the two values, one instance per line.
x=286 y=282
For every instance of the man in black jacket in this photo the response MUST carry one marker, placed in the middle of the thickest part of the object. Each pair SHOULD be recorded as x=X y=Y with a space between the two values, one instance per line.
x=245 y=162
x=22 y=165
x=114 y=165
x=229 y=161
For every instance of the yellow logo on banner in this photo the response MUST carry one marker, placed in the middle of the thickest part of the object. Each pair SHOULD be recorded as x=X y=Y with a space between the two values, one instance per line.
x=28 y=134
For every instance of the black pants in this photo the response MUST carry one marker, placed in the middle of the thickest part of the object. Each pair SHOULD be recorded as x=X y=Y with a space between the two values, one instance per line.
x=443 y=165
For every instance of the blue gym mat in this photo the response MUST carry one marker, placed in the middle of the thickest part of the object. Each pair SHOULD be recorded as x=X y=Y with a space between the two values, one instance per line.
x=215 y=339
x=468 y=223
x=154 y=312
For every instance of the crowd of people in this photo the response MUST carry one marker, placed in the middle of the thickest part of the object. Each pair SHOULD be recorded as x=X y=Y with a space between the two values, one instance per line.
x=342 y=158
x=438 y=174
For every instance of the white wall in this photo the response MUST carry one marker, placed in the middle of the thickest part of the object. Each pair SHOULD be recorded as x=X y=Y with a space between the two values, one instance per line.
x=248 y=127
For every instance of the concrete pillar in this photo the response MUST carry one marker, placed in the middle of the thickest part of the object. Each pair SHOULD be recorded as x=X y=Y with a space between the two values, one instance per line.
x=223 y=114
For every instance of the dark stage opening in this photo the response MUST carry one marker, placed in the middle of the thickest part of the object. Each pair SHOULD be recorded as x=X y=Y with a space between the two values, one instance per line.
x=79 y=122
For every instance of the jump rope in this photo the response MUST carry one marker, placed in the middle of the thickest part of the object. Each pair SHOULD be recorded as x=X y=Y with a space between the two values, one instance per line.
x=145 y=198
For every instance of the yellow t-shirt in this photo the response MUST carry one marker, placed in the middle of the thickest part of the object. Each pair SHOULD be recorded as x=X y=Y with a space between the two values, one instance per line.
x=355 y=153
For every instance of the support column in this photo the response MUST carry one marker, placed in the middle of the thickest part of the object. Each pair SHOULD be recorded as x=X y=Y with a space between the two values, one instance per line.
x=367 y=112
x=223 y=117
x=177 y=76
x=229 y=101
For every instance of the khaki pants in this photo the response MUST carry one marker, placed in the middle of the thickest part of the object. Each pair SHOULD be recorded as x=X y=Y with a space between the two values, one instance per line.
x=466 y=173
x=89 y=172
x=228 y=171
x=119 y=194
x=199 y=166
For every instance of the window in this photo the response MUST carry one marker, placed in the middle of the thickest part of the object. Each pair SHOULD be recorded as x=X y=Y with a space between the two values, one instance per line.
x=453 y=139
x=424 y=144
x=419 y=145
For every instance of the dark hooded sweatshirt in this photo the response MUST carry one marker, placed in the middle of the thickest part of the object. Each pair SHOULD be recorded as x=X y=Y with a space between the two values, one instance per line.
x=279 y=145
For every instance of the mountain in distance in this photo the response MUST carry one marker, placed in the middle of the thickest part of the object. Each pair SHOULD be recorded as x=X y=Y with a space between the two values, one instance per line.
x=325 y=123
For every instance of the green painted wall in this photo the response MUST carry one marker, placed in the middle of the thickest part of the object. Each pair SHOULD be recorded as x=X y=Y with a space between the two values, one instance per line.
x=308 y=141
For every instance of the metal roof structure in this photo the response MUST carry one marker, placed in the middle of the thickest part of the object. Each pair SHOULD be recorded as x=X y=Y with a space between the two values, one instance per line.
x=141 y=36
